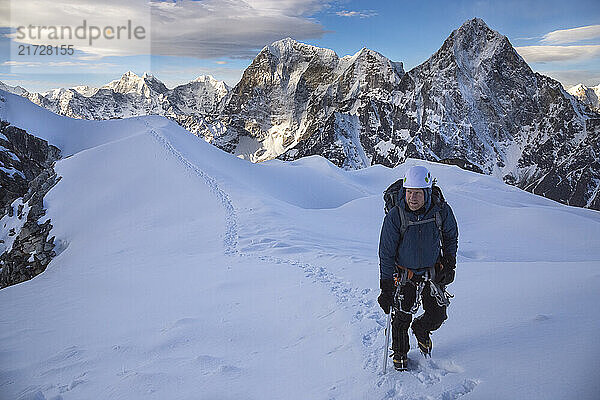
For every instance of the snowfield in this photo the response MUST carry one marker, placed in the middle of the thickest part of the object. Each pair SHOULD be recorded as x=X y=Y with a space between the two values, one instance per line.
x=186 y=273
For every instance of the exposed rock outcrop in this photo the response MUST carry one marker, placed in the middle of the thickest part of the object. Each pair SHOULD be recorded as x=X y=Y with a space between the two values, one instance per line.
x=26 y=175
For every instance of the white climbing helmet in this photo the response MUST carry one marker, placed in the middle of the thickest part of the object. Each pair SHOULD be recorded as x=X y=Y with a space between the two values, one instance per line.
x=417 y=177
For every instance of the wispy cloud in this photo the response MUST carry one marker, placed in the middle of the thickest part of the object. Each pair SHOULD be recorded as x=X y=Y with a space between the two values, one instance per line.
x=233 y=28
x=58 y=64
x=541 y=54
x=559 y=52
x=360 y=14
x=21 y=63
x=107 y=29
x=570 y=78
x=572 y=35
x=201 y=29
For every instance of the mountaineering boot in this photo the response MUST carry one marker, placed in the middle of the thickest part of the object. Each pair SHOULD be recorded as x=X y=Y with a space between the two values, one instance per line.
x=400 y=361
x=423 y=339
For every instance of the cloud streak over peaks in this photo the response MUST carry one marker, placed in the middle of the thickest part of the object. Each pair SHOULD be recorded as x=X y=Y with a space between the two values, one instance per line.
x=361 y=14
x=200 y=29
x=533 y=54
x=564 y=46
x=229 y=28
x=572 y=35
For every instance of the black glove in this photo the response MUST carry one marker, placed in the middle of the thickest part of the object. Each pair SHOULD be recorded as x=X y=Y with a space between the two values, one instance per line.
x=445 y=275
x=386 y=298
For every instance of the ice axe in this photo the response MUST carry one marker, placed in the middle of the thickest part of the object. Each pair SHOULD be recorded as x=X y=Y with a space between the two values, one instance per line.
x=387 y=340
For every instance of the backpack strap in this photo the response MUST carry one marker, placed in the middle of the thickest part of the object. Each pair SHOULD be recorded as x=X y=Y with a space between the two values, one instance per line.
x=405 y=222
x=439 y=222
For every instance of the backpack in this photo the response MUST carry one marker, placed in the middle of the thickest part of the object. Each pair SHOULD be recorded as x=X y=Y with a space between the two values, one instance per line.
x=390 y=198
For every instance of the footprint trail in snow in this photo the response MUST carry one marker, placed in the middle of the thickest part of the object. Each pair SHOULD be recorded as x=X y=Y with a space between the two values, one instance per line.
x=430 y=379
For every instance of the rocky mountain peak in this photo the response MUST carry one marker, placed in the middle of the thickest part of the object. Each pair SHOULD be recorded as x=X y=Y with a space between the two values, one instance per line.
x=206 y=79
x=372 y=66
x=129 y=82
x=153 y=83
x=85 y=90
x=589 y=96
x=210 y=81
x=474 y=44
x=288 y=49
x=577 y=88
x=132 y=83
x=18 y=90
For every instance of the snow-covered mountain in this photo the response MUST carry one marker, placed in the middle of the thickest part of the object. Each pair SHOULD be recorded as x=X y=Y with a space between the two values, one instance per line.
x=12 y=89
x=587 y=95
x=474 y=103
x=183 y=272
x=293 y=92
x=132 y=95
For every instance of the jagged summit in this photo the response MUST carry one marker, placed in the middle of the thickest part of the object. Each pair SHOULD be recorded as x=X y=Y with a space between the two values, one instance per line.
x=589 y=96
x=475 y=24
x=129 y=82
x=577 y=88
x=365 y=52
x=85 y=90
x=132 y=95
x=18 y=90
x=288 y=48
x=474 y=42
x=205 y=79
x=132 y=83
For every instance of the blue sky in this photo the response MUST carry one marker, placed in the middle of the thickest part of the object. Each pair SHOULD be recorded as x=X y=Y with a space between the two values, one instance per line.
x=185 y=39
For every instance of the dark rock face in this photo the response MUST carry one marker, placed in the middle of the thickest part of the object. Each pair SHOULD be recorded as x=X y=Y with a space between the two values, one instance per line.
x=291 y=91
x=27 y=174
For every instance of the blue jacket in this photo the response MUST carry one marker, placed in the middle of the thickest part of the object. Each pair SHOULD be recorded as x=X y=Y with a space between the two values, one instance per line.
x=419 y=249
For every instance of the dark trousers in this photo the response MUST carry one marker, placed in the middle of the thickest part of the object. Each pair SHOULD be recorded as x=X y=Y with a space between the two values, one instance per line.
x=429 y=321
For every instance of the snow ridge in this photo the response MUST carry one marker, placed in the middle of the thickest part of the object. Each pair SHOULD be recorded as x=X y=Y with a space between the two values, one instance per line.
x=231 y=235
x=359 y=301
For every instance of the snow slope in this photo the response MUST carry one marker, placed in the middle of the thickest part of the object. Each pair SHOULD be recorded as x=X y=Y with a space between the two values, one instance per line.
x=187 y=273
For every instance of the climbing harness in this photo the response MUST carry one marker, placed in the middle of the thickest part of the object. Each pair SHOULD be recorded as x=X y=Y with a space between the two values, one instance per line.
x=439 y=292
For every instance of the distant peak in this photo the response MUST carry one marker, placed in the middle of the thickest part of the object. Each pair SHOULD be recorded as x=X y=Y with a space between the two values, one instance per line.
x=285 y=47
x=474 y=26
x=578 y=89
x=365 y=51
x=281 y=46
x=284 y=42
x=474 y=39
x=130 y=74
x=205 y=78
x=475 y=22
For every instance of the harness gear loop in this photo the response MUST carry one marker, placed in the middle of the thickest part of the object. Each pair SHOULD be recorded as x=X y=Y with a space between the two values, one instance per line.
x=439 y=292
x=405 y=275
